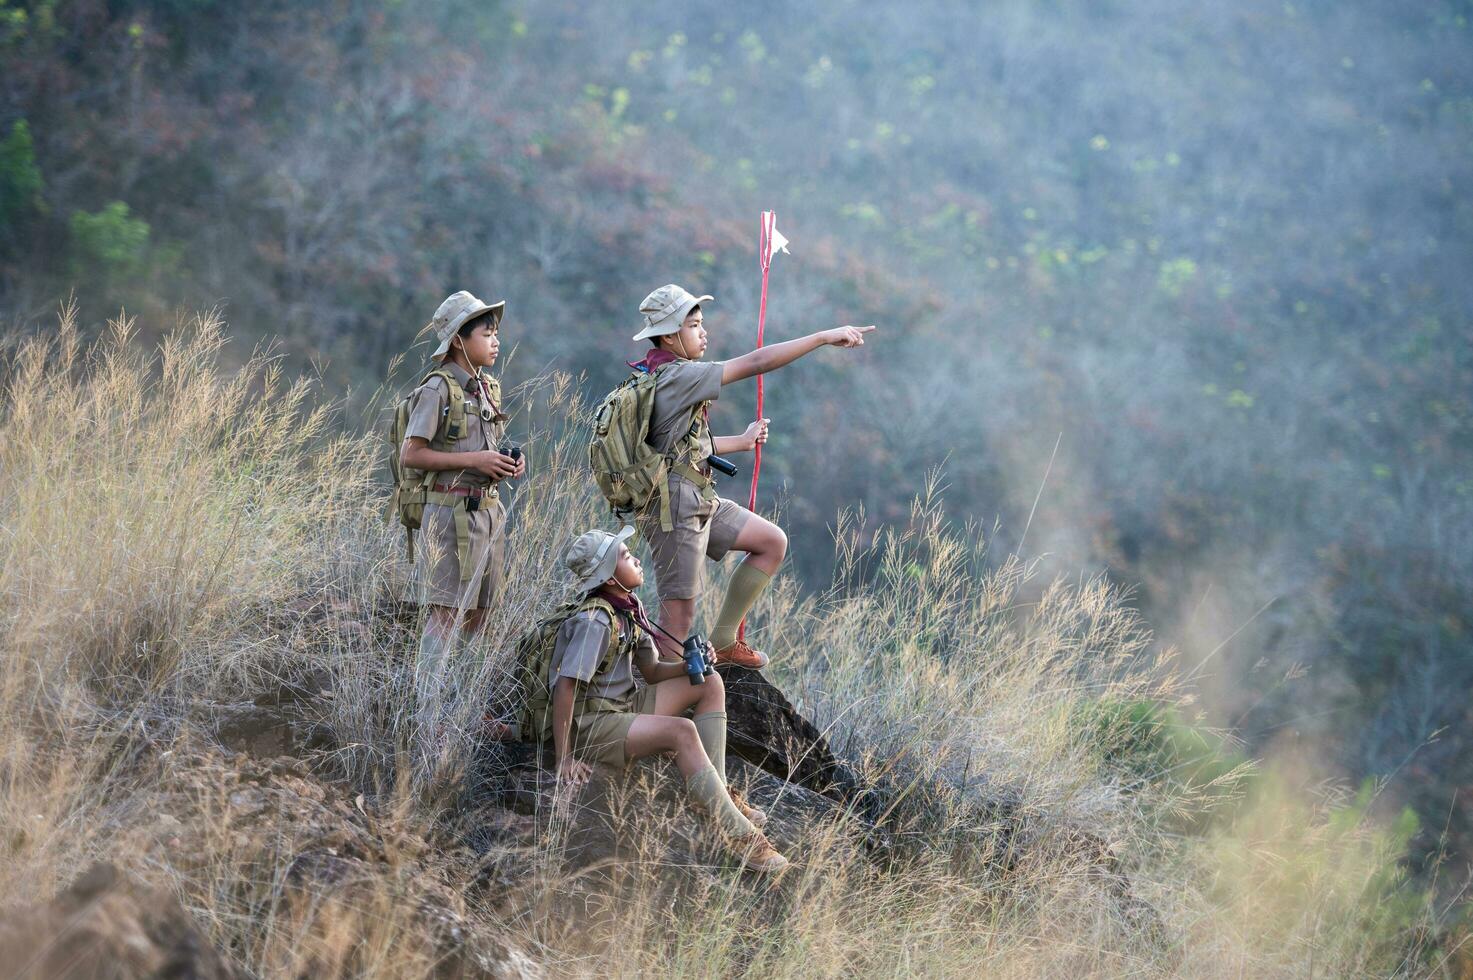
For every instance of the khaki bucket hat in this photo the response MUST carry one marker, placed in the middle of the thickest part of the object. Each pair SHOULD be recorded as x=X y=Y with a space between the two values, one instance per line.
x=592 y=555
x=665 y=309
x=453 y=314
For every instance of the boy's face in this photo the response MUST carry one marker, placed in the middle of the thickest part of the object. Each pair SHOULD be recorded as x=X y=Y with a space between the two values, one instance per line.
x=481 y=345
x=628 y=573
x=690 y=340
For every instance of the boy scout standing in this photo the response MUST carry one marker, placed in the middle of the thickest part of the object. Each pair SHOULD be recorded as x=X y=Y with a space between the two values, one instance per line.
x=463 y=523
x=702 y=525
x=595 y=713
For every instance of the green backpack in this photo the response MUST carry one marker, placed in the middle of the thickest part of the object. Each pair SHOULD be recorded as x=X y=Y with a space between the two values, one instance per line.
x=534 y=651
x=413 y=489
x=628 y=470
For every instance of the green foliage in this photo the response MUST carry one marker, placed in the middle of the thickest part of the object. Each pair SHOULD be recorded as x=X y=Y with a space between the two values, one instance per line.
x=109 y=242
x=19 y=22
x=20 y=178
x=1155 y=743
x=1280 y=852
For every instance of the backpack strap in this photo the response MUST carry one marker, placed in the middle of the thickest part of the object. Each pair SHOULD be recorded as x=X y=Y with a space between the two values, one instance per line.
x=452 y=422
x=452 y=428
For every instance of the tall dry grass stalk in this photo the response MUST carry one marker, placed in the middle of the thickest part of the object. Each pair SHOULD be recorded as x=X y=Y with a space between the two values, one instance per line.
x=174 y=534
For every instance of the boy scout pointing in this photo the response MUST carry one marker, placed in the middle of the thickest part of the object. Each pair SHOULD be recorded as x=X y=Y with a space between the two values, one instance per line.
x=693 y=524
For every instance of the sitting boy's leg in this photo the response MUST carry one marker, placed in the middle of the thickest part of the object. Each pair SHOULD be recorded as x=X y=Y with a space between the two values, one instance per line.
x=679 y=695
x=657 y=734
x=708 y=703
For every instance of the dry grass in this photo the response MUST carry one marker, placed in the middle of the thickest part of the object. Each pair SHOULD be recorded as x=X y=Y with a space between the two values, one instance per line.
x=174 y=535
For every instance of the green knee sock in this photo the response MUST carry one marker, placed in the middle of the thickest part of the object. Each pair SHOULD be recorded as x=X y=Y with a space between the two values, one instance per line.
x=707 y=789
x=746 y=585
x=711 y=726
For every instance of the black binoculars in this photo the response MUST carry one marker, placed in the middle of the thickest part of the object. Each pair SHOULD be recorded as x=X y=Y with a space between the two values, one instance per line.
x=694 y=655
x=515 y=452
x=722 y=464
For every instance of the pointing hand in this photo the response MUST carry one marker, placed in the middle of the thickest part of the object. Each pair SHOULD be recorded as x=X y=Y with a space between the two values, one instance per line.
x=847 y=336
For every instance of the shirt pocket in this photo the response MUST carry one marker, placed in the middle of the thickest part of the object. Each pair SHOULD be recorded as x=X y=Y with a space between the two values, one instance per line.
x=476 y=435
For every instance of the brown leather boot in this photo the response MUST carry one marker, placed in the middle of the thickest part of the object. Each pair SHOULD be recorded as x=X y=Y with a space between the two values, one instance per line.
x=742 y=656
x=756 y=853
x=758 y=818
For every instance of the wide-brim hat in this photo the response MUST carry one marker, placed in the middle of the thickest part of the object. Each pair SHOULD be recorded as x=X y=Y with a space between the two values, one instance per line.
x=452 y=314
x=593 y=555
x=665 y=309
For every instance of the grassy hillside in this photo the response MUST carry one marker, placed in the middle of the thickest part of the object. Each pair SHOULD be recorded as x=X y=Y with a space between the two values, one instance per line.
x=224 y=546
x=1215 y=255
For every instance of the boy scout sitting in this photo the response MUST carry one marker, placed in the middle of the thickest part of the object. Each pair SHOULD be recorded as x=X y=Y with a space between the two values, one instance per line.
x=464 y=533
x=598 y=715
x=705 y=525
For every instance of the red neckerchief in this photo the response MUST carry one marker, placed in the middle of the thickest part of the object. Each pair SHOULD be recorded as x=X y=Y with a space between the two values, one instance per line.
x=657 y=358
x=629 y=604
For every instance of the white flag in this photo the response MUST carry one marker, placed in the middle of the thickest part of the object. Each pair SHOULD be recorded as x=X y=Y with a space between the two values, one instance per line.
x=776 y=243
x=779 y=243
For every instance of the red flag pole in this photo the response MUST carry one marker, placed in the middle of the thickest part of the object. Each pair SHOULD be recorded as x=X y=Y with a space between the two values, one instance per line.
x=764 y=259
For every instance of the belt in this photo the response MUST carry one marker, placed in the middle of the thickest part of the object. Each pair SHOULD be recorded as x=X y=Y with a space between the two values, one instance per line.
x=462 y=501
x=470 y=493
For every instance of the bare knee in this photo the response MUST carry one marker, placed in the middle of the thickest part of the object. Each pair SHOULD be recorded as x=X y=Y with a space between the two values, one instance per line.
x=779 y=542
x=768 y=541
x=713 y=694
x=685 y=735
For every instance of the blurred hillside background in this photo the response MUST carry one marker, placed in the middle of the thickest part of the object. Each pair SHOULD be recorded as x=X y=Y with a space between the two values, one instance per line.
x=1218 y=253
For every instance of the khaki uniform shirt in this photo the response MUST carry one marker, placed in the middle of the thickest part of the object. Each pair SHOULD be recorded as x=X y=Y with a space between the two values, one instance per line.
x=483 y=430
x=581 y=642
x=679 y=387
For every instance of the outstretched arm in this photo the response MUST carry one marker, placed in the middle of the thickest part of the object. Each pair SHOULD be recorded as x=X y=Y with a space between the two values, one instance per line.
x=771 y=358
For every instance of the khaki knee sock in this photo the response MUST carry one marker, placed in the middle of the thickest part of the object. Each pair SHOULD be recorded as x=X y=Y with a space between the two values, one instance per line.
x=711 y=726
x=431 y=667
x=746 y=585
x=707 y=789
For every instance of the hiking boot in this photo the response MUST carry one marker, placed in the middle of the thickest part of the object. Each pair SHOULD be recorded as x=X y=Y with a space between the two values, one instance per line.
x=756 y=853
x=742 y=656
x=758 y=818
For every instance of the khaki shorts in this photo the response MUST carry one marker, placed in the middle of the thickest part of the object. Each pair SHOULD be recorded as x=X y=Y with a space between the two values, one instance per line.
x=441 y=566
x=702 y=529
x=599 y=736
